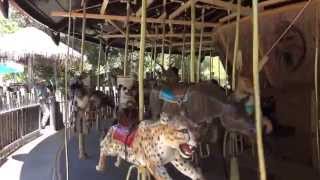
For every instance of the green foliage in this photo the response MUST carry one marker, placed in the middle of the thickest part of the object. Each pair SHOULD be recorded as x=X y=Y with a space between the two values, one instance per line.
x=7 y=26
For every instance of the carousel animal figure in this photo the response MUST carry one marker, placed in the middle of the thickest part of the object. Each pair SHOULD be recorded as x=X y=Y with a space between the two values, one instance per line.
x=87 y=104
x=206 y=104
x=152 y=145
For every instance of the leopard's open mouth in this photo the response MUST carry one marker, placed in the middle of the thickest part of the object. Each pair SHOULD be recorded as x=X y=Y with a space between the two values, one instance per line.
x=186 y=150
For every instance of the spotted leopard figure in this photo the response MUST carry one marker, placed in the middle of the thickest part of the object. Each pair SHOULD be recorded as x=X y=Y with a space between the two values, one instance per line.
x=156 y=144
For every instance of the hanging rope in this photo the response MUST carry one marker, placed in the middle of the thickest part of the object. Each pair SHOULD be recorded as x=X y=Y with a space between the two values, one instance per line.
x=256 y=85
x=227 y=56
x=193 y=39
x=83 y=3
x=163 y=31
x=125 y=68
x=99 y=58
x=265 y=58
x=236 y=46
x=183 y=54
x=155 y=55
x=200 y=46
x=317 y=123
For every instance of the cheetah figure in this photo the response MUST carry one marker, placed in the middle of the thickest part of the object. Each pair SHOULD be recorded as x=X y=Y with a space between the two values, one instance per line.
x=155 y=144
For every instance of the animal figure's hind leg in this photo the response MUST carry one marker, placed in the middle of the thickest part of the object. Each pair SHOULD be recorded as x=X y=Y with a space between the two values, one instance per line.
x=186 y=168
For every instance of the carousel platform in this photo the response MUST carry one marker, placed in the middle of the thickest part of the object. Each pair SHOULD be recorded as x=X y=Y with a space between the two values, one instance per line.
x=85 y=169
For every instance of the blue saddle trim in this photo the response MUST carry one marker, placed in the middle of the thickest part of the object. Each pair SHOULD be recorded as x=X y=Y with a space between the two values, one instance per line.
x=167 y=95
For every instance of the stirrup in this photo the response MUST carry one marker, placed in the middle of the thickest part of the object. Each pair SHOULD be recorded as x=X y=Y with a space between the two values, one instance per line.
x=142 y=173
x=206 y=153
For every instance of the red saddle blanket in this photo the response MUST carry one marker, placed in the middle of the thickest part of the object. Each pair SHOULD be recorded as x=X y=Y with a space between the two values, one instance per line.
x=121 y=133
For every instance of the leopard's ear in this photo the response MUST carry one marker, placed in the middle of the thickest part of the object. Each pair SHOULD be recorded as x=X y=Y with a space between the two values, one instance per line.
x=164 y=118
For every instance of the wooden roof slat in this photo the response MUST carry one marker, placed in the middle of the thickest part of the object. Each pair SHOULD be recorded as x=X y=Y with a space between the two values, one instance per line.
x=104 y=6
x=149 y=2
x=271 y=2
x=131 y=19
x=178 y=11
x=175 y=35
x=227 y=5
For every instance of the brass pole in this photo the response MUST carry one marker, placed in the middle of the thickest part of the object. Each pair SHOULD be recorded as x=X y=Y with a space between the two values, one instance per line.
x=163 y=31
x=192 y=50
x=236 y=47
x=141 y=58
x=125 y=68
x=256 y=86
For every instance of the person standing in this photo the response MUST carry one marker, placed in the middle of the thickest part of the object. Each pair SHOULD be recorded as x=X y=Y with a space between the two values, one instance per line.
x=43 y=99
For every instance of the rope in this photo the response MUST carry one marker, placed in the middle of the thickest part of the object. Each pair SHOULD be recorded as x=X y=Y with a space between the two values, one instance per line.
x=66 y=95
x=183 y=54
x=236 y=46
x=126 y=51
x=99 y=60
x=84 y=3
x=193 y=40
x=256 y=85
x=265 y=57
x=200 y=46
x=227 y=56
x=163 y=32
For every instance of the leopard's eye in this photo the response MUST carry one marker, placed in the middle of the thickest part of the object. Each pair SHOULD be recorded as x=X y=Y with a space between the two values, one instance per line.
x=183 y=130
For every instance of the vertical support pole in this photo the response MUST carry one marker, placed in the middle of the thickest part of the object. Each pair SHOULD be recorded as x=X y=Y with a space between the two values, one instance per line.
x=200 y=46
x=141 y=58
x=84 y=11
x=163 y=31
x=192 y=52
x=236 y=47
x=256 y=86
x=316 y=87
x=125 y=68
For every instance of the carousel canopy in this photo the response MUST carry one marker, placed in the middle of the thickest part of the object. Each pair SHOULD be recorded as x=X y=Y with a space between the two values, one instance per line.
x=32 y=41
x=108 y=19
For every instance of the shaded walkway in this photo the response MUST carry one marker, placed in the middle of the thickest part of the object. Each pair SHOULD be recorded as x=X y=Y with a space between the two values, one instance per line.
x=34 y=161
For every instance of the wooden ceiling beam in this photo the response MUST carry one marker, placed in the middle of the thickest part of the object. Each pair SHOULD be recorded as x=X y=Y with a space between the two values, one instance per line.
x=228 y=6
x=138 y=13
x=156 y=35
x=265 y=4
x=131 y=19
x=182 y=8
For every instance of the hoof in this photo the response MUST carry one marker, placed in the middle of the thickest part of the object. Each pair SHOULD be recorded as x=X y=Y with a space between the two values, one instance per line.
x=99 y=169
x=83 y=156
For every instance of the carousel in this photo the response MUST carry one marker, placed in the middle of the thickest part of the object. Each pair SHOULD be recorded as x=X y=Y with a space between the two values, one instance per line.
x=260 y=122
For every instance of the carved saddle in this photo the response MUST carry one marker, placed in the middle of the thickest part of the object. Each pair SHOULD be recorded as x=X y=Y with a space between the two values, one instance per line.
x=124 y=134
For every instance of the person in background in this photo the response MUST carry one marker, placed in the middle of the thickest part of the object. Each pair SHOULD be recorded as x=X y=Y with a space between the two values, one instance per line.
x=43 y=98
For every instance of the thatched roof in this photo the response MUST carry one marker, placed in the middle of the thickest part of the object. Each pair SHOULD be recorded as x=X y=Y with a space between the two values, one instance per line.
x=31 y=41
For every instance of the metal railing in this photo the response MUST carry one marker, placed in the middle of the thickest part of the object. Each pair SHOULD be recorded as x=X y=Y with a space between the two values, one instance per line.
x=18 y=99
x=17 y=127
